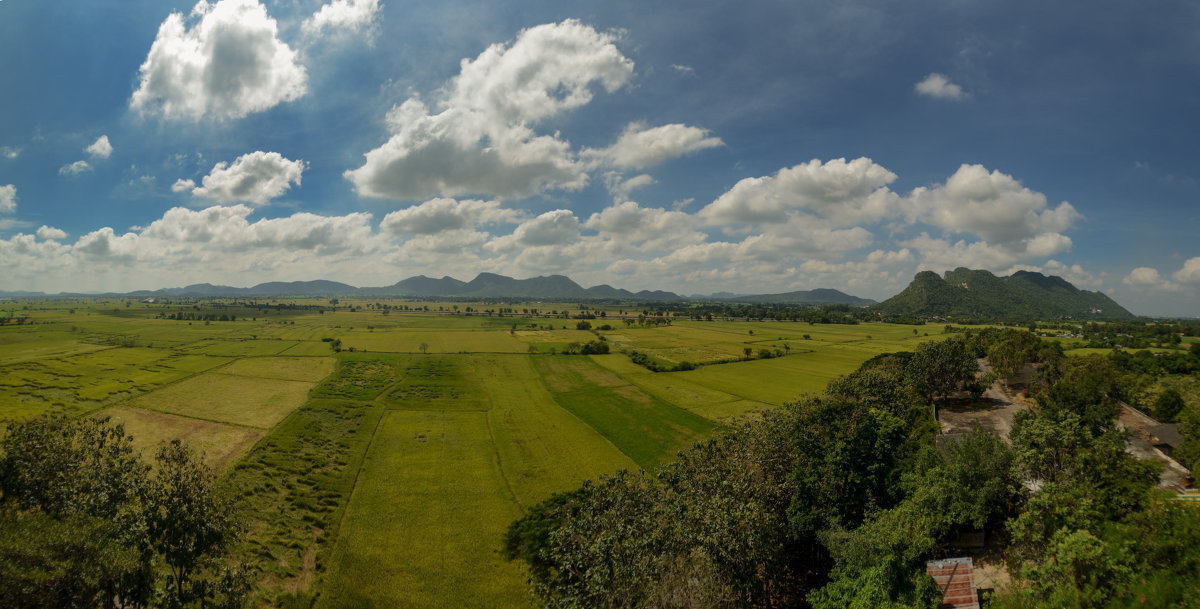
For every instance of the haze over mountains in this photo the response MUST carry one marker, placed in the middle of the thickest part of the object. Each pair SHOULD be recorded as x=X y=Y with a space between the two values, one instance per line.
x=960 y=293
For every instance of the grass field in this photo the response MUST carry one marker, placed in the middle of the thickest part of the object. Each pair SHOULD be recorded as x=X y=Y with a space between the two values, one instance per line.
x=423 y=528
x=386 y=476
x=647 y=429
x=227 y=398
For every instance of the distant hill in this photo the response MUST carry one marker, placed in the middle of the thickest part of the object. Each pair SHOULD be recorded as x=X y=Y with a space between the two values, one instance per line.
x=976 y=293
x=819 y=296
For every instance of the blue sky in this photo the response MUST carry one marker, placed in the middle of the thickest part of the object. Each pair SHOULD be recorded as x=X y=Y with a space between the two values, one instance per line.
x=702 y=146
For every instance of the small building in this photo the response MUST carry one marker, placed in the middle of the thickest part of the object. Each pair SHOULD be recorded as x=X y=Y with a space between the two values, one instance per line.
x=1165 y=437
x=955 y=577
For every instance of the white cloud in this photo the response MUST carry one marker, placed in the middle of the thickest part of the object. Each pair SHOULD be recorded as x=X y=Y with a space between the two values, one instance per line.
x=346 y=15
x=841 y=192
x=647 y=228
x=620 y=187
x=480 y=139
x=100 y=149
x=9 y=152
x=74 y=169
x=1190 y=273
x=441 y=215
x=993 y=206
x=640 y=146
x=182 y=185
x=49 y=232
x=557 y=227
x=1146 y=277
x=937 y=85
x=253 y=178
x=8 y=199
x=227 y=65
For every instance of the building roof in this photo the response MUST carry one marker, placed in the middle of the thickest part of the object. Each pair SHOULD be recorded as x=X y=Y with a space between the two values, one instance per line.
x=1167 y=433
x=955 y=578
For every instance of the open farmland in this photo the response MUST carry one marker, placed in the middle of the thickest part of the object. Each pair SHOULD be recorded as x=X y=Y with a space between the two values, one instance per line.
x=384 y=474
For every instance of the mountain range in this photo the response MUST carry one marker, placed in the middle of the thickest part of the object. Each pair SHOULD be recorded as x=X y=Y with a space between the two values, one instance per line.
x=975 y=293
x=484 y=285
x=960 y=293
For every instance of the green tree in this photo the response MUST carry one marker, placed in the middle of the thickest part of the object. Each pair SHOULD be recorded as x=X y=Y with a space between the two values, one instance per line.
x=937 y=368
x=1168 y=405
x=189 y=521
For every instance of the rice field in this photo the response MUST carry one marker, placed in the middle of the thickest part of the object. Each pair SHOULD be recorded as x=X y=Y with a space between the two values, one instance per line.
x=386 y=473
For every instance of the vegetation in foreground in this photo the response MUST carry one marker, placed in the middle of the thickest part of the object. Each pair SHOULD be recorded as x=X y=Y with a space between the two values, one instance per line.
x=837 y=500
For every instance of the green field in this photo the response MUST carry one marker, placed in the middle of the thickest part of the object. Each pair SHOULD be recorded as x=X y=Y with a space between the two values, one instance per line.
x=385 y=476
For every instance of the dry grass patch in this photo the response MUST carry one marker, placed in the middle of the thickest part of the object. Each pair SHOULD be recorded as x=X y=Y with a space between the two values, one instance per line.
x=254 y=402
x=221 y=444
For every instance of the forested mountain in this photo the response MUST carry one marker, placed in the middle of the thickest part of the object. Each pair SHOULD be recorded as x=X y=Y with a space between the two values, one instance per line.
x=977 y=293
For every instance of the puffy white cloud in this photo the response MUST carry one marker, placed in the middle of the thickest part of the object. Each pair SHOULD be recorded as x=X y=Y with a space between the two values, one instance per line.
x=227 y=65
x=99 y=149
x=841 y=192
x=937 y=85
x=556 y=227
x=441 y=215
x=646 y=228
x=182 y=185
x=1146 y=277
x=348 y=15
x=640 y=146
x=9 y=152
x=51 y=233
x=1190 y=273
x=480 y=138
x=74 y=169
x=8 y=199
x=993 y=206
x=253 y=178
x=551 y=228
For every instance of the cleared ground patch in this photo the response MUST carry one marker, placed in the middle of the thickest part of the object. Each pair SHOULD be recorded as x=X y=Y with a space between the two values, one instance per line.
x=226 y=398
x=647 y=429
x=424 y=523
x=221 y=444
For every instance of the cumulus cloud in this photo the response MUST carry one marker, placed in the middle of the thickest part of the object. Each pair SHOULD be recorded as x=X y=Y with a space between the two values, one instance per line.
x=1146 y=277
x=8 y=199
x=49 y=232
x=345 y=15
x=9 y=152
x=441 y=215
x=182 y=185
x=838 y=191
x=645 y=228
x=995 y=207
x=640 y=146
x=100 y=149
x=1190 y=273
x=938 y=86
x=228 y=64
x=253 y=178
x=553 y=228
x=479 y=138
x=74 y=169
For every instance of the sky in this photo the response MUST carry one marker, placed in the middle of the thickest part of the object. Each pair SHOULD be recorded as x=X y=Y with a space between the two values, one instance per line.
x=755 y=146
